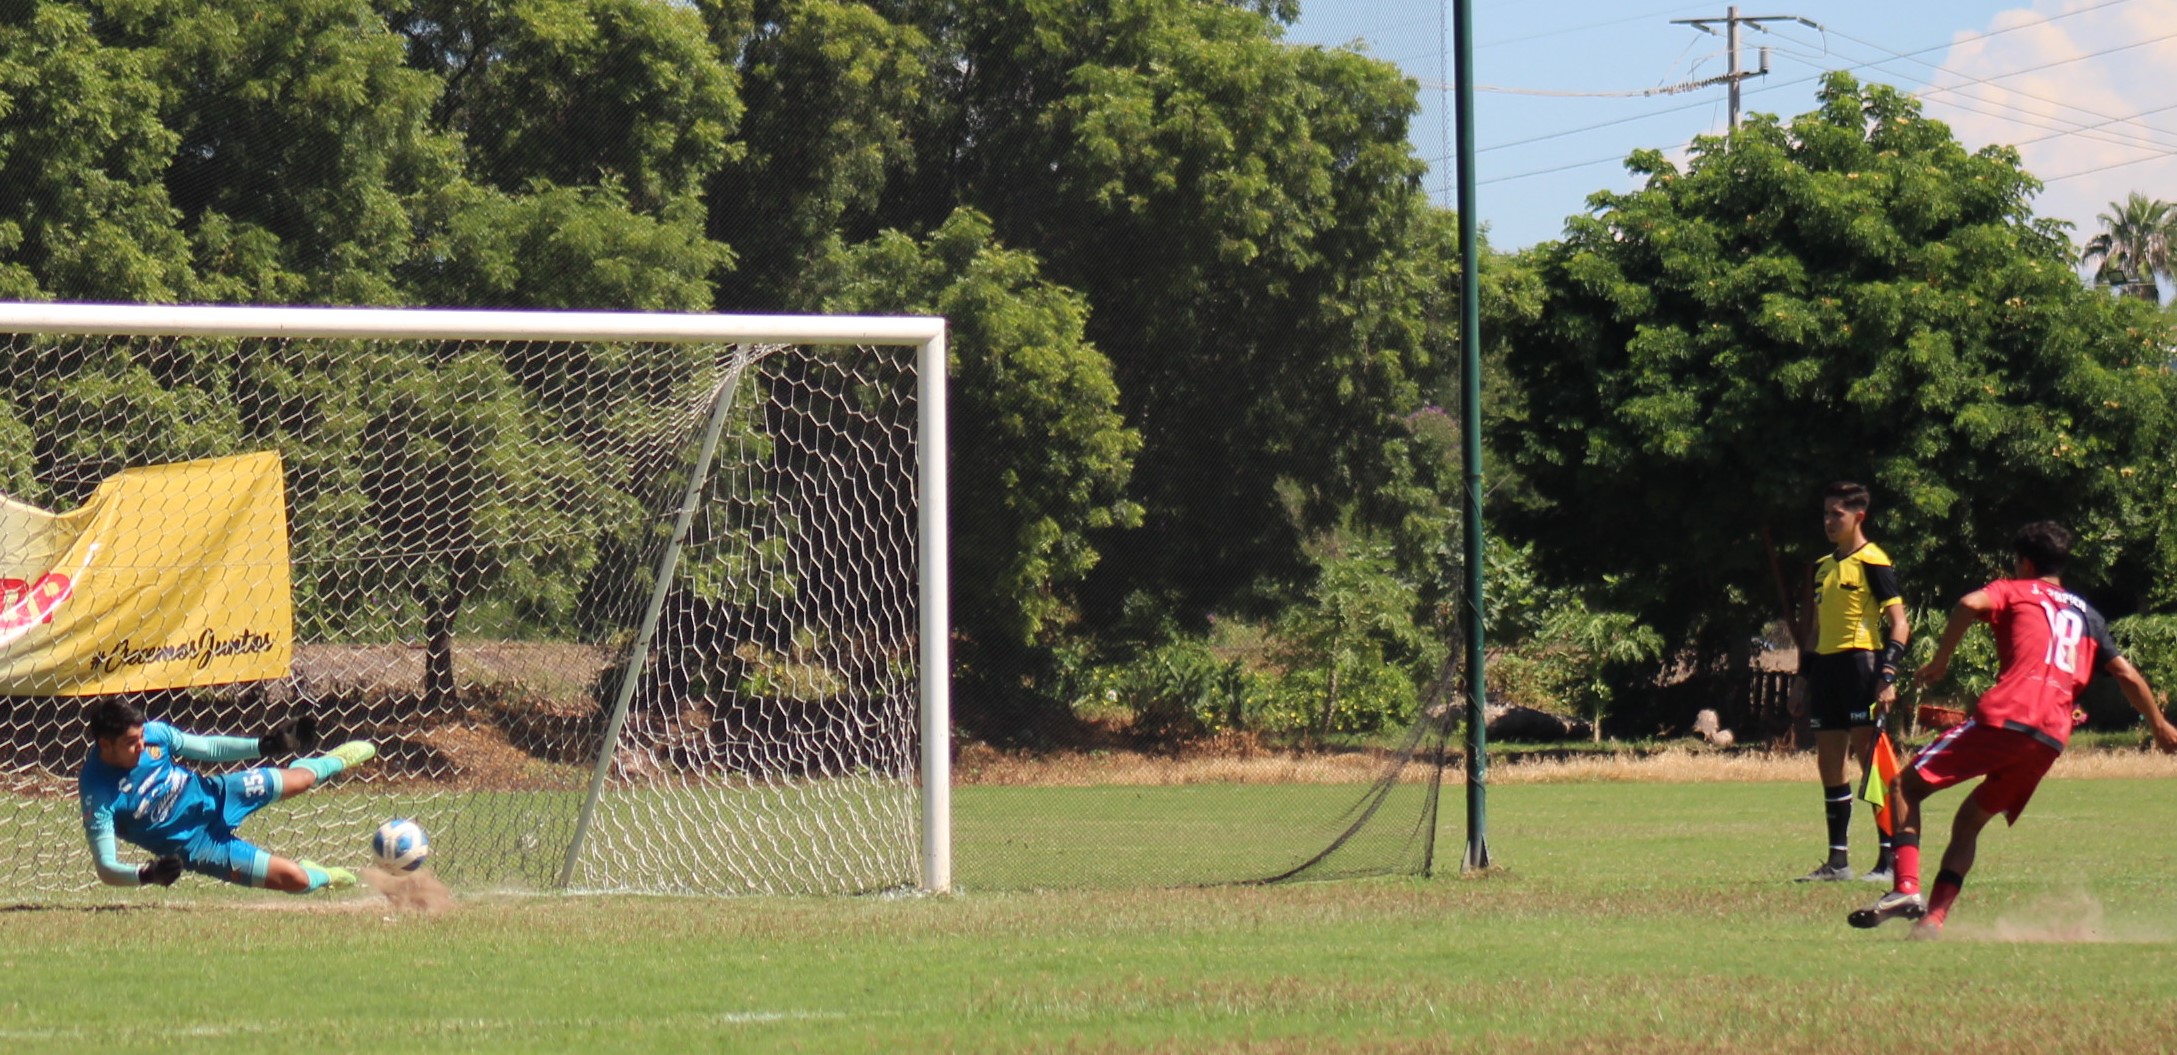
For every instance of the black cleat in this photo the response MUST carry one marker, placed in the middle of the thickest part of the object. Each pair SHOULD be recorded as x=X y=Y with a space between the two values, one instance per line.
x=1892 y=905
x=1827 y=874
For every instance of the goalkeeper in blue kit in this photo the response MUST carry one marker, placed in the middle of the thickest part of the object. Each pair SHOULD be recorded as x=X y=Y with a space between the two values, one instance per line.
x=134 y=787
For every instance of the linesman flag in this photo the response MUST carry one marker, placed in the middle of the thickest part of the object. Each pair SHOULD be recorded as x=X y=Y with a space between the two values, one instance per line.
x=1876 y=787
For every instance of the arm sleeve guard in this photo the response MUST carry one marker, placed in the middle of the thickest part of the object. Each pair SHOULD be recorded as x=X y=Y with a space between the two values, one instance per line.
x=1893 y=653
x=98 y=830
x=214 y=748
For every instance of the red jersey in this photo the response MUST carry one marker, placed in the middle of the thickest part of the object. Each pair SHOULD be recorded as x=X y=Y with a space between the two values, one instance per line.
x=2049 y=642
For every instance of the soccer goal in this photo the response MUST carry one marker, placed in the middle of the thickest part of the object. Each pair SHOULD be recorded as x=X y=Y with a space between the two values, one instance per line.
x=629 y=602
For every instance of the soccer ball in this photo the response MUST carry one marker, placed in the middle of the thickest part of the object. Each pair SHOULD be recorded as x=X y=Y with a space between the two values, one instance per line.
x=400 y=845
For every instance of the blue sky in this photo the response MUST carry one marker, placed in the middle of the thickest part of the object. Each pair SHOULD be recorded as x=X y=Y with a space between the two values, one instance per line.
x=2086 y=89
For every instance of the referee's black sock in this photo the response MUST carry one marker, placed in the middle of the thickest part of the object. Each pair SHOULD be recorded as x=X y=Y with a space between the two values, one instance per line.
x=1837 y=803
x=1887 y=857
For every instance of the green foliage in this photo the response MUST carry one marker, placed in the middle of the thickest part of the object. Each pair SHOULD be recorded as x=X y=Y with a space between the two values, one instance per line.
x=83 y=153
x=1848 y=295
x=2150 y=642
x=1182 y=689
x=1248 y=223
x=1550 y=650
x=302 y=136
x=1040 y=455
x=830 y=87
x=1972 y=667
x=567 y=247
x=1351 y=650
x=1189 y=267
x=635 y=83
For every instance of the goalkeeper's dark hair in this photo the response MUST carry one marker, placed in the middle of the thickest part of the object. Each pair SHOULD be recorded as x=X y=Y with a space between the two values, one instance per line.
x=1853 y=497
x=109 y=718
x=2046 y=543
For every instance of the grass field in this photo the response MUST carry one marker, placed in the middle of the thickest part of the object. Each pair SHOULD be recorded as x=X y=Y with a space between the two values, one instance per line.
x=1625 y=917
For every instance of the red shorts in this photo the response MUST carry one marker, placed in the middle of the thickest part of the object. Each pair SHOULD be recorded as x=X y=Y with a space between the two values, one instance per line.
x=2013 y=762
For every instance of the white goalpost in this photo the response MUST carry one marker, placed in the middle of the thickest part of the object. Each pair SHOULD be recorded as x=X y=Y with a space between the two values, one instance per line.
x=638 y=602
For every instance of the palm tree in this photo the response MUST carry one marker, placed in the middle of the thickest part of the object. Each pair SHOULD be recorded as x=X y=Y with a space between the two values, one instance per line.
x=2135 y=245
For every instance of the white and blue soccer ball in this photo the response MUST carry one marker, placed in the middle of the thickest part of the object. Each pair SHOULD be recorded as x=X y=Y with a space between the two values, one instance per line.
x=400 y=845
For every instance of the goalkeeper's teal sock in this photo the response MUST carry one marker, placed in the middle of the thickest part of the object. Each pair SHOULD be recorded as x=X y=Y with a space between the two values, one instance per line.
x=332 y=763
x=323 y=767
x=321 y=877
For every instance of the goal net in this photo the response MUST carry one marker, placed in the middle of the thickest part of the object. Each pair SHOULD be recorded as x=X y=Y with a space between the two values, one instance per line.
x=627 y=602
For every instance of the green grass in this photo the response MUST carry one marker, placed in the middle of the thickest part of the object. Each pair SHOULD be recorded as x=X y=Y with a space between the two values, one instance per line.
x=1626 y=917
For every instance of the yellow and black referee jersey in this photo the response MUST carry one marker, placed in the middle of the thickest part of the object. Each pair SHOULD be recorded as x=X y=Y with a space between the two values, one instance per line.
x=1850 y=594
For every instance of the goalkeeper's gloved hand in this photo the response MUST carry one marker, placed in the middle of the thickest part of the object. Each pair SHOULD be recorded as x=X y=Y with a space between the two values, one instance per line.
x=296 y=736
x=162 y=871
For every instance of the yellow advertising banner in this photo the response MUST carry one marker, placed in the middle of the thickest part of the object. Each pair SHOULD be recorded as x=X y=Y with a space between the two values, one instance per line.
x=169 y=576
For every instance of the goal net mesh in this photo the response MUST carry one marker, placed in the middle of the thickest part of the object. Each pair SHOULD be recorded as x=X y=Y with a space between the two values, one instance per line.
x=474 y=534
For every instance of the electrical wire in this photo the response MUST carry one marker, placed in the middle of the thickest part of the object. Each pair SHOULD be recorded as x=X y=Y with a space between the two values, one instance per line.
x=1778 y=86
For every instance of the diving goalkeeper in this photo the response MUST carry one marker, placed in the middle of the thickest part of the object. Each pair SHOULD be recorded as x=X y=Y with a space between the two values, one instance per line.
x=133 y=786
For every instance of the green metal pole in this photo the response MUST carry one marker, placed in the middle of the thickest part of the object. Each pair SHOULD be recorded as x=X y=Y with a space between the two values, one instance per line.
x=1470 y=413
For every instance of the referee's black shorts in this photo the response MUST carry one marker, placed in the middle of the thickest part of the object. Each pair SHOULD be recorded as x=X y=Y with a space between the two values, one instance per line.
x=1841 y=689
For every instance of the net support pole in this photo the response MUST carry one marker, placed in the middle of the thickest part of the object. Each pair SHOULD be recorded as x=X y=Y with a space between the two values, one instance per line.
x=935 y=632
x=638 y=655
x=1470 y=345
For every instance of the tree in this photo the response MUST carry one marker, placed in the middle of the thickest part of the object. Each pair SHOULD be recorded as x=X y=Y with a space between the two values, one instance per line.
x=2138 y=243
x=1247 y=220
x=462 y=467
x=1849 y=295
x=1353 y=650
x=1040 y=455
x=830 y=88
x=83 y=155
x=304 y=144
x=577 y=92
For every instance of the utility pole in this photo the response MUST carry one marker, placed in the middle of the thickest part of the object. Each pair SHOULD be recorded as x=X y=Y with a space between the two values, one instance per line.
x=1732 y=20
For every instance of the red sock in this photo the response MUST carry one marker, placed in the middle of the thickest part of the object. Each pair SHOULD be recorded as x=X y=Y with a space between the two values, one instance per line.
x=1908 y=867
x=1945 y=892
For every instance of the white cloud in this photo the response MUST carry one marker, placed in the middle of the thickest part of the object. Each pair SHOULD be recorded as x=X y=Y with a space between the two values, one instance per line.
x=2090 y=100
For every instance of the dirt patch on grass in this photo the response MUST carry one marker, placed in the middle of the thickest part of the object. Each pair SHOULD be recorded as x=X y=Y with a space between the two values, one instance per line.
x=978 y=765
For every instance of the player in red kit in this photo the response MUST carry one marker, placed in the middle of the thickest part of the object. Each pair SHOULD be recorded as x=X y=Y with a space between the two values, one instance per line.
x=2049 y=642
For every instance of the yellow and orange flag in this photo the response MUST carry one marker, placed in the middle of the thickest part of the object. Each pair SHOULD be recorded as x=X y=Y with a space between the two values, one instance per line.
x=1876 y=788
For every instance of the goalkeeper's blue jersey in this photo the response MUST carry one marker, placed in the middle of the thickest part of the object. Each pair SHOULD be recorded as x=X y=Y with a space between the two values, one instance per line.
x=159 y=805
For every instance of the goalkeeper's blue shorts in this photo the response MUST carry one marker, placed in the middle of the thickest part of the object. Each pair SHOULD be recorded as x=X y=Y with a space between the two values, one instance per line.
x=219 y=853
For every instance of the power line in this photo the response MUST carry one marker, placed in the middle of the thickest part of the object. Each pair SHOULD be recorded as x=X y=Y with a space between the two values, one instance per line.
x=1772 y=86
x=2020 y=115
x=1989 y=81
x=1592 y=25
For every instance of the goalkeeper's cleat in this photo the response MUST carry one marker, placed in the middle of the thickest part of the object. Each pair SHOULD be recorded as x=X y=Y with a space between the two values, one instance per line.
x=1893 y=905
x=1827 y=874
x=354 y=753
x=335 y=878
